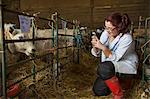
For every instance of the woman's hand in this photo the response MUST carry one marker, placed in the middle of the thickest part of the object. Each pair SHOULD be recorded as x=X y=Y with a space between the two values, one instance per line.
x=96 y=43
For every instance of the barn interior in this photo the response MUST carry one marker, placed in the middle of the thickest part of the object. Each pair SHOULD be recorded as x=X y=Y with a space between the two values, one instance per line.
x=53 y=59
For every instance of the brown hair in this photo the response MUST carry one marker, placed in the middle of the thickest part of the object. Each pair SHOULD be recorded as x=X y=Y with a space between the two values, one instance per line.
x=121 y=22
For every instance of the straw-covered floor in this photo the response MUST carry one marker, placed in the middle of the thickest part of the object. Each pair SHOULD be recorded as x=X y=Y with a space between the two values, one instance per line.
x=75 y=81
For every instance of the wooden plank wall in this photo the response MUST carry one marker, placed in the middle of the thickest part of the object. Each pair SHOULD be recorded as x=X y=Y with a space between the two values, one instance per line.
x=148 y=7
x=89 y=12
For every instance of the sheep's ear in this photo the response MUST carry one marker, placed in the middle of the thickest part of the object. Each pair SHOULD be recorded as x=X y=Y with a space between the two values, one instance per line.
x=12 y=48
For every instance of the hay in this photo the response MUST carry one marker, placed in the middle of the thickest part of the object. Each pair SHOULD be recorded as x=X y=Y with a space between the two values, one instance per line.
x=75 y=81
x=78 y=80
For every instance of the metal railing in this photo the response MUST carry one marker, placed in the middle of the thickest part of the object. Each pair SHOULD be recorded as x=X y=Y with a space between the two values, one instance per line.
x=53 y=57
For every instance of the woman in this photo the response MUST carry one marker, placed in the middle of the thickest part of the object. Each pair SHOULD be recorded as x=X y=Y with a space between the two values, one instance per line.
x=118 y=55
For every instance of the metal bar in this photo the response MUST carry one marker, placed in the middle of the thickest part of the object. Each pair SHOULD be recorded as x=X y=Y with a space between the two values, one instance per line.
x=72 y=23
x=66 y=56
x=74 y=40
x=57 y=54
x=4 y=95
x=66 y=20
x=16 y=12
x=53 y=40
x=27 y=60
x=33 y=72
x=24 y=40
x=65 y=35
x=78 y=46
x=65 y=38
x=64 y=47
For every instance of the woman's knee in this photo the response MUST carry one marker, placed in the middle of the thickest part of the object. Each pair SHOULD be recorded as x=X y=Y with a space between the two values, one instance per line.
x=100 y=88
x=106 y=70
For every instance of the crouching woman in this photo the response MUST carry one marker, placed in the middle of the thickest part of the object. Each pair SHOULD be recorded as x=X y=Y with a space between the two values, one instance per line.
x=117 y=55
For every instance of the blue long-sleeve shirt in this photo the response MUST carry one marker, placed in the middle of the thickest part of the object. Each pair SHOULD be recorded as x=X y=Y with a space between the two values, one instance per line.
x=124 y=56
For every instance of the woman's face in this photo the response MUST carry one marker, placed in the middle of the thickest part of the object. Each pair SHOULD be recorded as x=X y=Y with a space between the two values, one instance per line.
x=112 y=30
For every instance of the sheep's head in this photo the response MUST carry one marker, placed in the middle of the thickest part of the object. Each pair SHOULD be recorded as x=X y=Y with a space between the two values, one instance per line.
x=11 y=33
